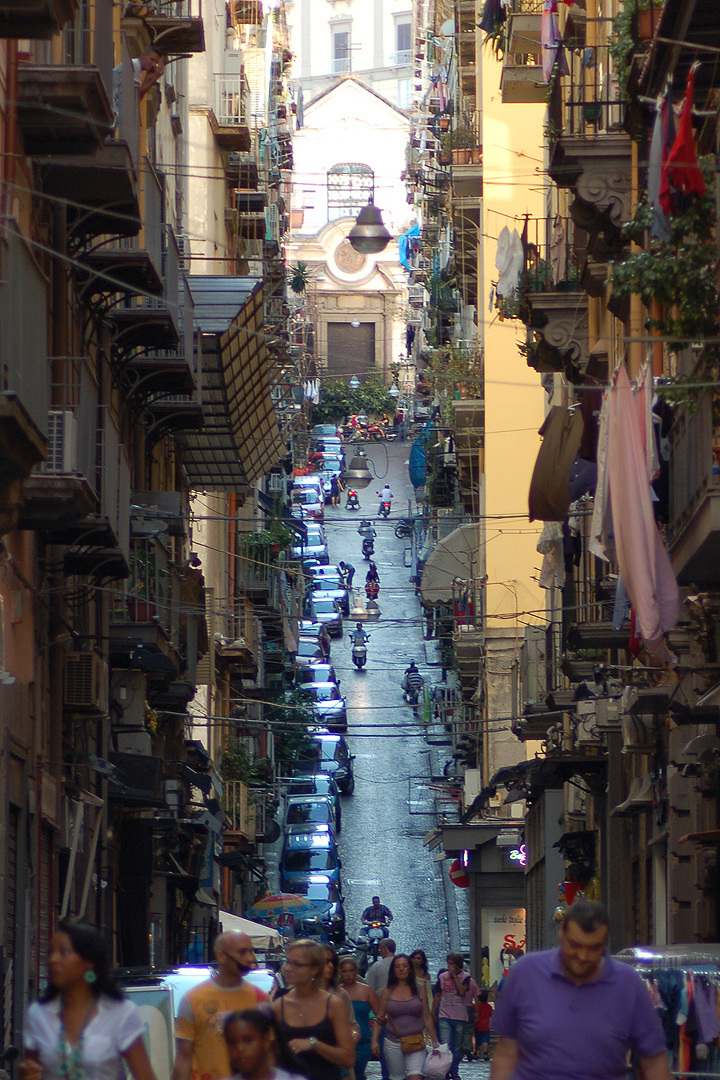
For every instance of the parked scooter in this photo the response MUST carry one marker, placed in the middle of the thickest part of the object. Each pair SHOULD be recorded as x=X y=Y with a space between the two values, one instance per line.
x=352 y=501
x=368 y=547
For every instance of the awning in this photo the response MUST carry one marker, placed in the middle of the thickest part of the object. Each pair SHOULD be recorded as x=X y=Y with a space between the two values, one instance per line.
x=263 y=937
x=455 y=561
x=240 y=439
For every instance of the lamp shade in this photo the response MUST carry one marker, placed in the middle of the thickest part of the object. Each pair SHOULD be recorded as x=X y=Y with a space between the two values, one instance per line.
x=394 y=392
x=368 y=235
x=358 y=474
x=354 y=383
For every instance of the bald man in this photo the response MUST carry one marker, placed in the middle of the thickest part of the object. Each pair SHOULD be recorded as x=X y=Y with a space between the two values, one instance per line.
x=201 y=1053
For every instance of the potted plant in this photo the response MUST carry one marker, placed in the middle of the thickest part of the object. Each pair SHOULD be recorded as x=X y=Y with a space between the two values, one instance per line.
x=648 y=19
x=460 y=143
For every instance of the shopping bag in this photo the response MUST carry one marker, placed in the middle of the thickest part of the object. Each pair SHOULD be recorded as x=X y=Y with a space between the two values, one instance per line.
x=438 y=1062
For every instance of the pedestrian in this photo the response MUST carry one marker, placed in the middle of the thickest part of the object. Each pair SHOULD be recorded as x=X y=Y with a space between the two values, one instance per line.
x=406 y=1018
x=483 y=1012
x=330 y=981
x=466 y=1048
x=422 y=975
x=314 y=1022
x=256 y=1047
x=83 y=1028
x=575 y=1012
x=364 y=999
x=201 y=1050
x=336 y=489
x=449 y=1005
x=377 y=978
x=348 y=573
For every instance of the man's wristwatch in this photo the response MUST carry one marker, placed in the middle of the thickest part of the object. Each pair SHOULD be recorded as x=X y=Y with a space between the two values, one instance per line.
x=313 y=1042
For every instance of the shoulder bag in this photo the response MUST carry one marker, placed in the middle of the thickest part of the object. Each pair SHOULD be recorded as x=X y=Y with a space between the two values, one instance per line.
x=409 y=1044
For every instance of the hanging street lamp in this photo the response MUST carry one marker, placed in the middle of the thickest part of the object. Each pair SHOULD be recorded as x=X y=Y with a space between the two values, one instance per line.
x=368 y=235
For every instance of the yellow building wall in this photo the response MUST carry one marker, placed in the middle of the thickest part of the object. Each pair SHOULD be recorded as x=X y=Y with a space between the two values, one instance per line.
x=514 y=398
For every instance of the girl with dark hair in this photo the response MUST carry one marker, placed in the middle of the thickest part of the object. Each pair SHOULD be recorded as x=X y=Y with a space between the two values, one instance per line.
x=84 y=1025
x=422 y=974
x=257 y=1047
x=331 y=982
x=408 y=1018
x=362 y=998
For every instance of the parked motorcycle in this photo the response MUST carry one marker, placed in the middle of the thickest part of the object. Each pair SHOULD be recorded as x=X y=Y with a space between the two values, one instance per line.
x=352 y=501
x=376 y=432
x=359 y=656
x=368 y=547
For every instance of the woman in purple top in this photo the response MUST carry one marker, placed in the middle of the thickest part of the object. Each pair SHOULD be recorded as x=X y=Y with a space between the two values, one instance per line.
x=406 y=1012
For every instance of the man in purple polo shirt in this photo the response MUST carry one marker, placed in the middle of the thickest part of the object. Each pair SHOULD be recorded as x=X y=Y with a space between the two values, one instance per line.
x=573 y=1013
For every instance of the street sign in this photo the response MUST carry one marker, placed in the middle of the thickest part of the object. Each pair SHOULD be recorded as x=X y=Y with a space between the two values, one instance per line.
x=458 y=875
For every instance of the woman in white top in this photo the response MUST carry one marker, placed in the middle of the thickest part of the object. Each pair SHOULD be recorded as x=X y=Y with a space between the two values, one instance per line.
x=84 y=1025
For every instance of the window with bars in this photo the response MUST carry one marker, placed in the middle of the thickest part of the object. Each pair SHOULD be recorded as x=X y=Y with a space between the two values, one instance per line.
x=350 y=185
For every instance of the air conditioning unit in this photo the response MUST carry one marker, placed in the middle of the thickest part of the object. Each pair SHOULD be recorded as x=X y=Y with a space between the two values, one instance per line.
x=86 y=682
x=607 y=713
x=183 y=244
x=586 y=730
x=62 y=442
x=574 y=801
x=275 y=482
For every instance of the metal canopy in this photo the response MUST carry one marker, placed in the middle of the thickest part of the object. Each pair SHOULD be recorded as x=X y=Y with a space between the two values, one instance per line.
x=240 y=439
x=454 y=562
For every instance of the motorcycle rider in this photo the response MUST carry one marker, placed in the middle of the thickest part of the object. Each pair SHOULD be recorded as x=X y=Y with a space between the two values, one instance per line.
x=377 y=912
x=366 y=529
x=412 y=684
x=385 y=496
x=359 y=635
x=372 y=574
x=352 y=501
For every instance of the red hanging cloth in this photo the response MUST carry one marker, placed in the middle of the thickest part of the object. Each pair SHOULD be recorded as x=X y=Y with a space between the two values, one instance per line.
x=681 y=176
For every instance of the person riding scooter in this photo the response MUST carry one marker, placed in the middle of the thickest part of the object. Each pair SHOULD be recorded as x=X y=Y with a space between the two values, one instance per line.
x=365 y=528
x=352 y=502
x=359 y=636
x=412 y=684
x=385 y=496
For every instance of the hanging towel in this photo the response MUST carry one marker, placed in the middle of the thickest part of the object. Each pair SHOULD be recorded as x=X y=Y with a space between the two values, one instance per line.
x=509 y=261
x=550 y=485
x=551 y=40
x=663 y=138
x=558 y=251
x=642 y=559
x=682 y=177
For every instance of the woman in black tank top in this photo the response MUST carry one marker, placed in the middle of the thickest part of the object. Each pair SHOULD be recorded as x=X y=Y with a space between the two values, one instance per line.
x=314 y=1022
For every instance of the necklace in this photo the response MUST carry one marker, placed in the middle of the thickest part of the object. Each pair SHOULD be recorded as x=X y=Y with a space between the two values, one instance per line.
x=70 y=1062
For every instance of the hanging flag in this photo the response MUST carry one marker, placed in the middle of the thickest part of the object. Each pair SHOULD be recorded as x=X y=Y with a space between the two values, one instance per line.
x=682 y=173
x=493 y=14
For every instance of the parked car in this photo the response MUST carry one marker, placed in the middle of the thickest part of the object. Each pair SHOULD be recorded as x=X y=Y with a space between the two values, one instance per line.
x=307 y=481
x=327 y=919
x=320 y=430
x=327 y=611
x=330 y=589
x=328 y=705
x=304 y=811
x=334 y=757
x=308 y=853
x=314 y=548
x=314 y=629
x=185 y=977
x=311 y=501
x=318 y=784
x=317 y=673
x=309 y=651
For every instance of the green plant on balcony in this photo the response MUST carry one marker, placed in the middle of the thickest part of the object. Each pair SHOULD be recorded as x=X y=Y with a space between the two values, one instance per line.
x=626 y=40
x=337 y=399
x=452 y=372
x=277 y=536
x=300 y=277
x=679 y=273
x=461 y=138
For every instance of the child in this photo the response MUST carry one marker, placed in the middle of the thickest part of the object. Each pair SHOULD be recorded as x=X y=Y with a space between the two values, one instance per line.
x=257 y=1048
x=482 y=1026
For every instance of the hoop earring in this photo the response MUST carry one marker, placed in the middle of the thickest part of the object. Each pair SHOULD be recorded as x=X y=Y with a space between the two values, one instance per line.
x=90 y=977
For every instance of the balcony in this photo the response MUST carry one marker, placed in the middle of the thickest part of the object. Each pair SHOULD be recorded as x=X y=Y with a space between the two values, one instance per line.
x=553 y=302
x=150 y=324
x=101 y=189
x=522 y=81
x=469 y=647
x=241 y=170
x=62 y=109
x=589 y=150
x=589 y=600
x=35 y=19
x=401 y=58
x=62 y=490
x=524 y=32
x=23 y=359
x=176 y=26
x=239 y=812
x=148 y=604
x=246 y=12
x=229 y=118
x=694 y=527
x=341 y=65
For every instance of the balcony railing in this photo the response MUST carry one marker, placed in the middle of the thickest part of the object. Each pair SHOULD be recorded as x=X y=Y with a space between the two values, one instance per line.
x=401 y=58
x=341 y=65
x=72 y=421
x=231 y=100
x=588 y=100
x=695 y=461
x=239 y=811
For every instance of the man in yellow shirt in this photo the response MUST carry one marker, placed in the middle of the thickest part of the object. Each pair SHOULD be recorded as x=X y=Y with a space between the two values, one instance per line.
x=201 y=1052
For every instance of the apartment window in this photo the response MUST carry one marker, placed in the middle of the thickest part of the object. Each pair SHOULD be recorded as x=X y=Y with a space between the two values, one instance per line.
x=350 y=185
x=341 y=50
x=402 y=56
x=404 y=93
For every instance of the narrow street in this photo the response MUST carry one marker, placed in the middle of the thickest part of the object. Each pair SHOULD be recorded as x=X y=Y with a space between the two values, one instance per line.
x=392 y=808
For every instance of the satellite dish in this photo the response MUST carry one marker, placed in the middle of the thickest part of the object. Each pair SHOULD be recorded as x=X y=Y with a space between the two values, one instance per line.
x=448 y=28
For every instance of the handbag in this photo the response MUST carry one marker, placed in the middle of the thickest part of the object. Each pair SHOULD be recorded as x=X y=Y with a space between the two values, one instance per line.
x=409 y=1044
